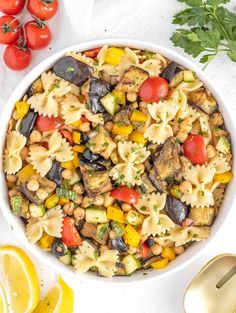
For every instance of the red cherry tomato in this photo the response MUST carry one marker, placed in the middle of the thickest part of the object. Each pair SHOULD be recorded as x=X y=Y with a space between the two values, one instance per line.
x=67 y=135
x=17 y=58
x=46 y=123
x=92 y=53
x=154 y=89
x=70 y=236
x=125 y=194
x=9 y=29
x=45 y=144
x=43 y=9
x=84 y=119
x=11 y=6
x=143 y=250
x=195 y=149
x=38 y=35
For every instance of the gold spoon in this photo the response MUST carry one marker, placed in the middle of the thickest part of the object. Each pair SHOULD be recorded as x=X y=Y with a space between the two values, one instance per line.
x=213 y=290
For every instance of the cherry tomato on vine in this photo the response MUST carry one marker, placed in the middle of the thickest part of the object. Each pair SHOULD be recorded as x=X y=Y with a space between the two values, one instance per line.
x=195 y=149
x=154 y=89
x=11 y=6
x=43 y=9
x=38 y=35
x=17 y=58
x=9 y=29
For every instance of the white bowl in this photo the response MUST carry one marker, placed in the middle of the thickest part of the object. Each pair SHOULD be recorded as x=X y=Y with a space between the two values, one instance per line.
x=18 y=226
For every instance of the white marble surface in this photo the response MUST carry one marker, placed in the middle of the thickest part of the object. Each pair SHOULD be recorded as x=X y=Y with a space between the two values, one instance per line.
x=146 y=20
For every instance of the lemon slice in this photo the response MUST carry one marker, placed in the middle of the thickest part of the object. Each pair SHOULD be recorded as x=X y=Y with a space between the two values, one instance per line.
x=3 y=300
x=21 y=279
x=60 y=299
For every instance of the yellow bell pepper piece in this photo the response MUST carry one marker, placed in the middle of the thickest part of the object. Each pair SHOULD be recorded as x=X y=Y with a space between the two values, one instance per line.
x=168 y=253
x=79 y=148
x=75 y=161
x=115 y=214
x=76 y=137
x=46 y=241
x=120 y=96
x=69 y=165
x=51 y=201
x=131 y=236
x=138 y=116
x=175 y=192
x=162 y=263
x=63 y=201
x=114 y=56
x=137 y=136
x=223 y=178
x=122 y=129
x=25 y=173
x=77 y=123
x=22 y=108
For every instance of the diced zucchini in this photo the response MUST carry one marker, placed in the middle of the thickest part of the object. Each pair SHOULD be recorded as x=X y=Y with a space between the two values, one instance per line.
x=36 y=210
x=134 y=218
x=131 y=264
x=118 y=228
x=102 y=230
x=66 y=258
x=223 y=145
x=65 y=193
x=109 y=101
x=16 y=203
x=95 y=215
x=188 y=76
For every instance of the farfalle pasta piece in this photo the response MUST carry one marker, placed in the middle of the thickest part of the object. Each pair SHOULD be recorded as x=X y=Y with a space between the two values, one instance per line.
x=155 y=223
x=46 y=103
x=219 y=163
x=87 y=257
x=58 y=148
x=72 y=110
x=203 y=185
x=81 y=57
x=205 y=127
x=127 y=171
x=51 y=223
x=109 y=69
x=183 y=235
x=190 y=86
x=14 y=144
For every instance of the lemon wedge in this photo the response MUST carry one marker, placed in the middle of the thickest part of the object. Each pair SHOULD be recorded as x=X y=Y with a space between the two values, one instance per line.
x=60 y=299
x=21 y=279
x=3 y=300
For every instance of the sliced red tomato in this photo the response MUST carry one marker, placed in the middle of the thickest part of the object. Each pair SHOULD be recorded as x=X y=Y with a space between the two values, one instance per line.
x=70 y=236
x=92 y=53
x=143 y=250
x=9 y=29
x=46 y=123
x=195 y=149
x=125 y=194
x=154 y=89
x=66 y=134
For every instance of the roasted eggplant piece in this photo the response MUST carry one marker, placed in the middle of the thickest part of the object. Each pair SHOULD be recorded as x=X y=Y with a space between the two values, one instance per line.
x=170 y=71
x=146 y=263
x=36 y=87
x=203 y=100
x=94 y=160
x=123 y=116
x=73 y=71
x=132 y=79
x=146 y=186
x=150 y=242
x=89 y=230
x=98 y=89
x=27 y=123
x=202 y=216
x=159 y=184
x=118 y=244
x=54 y=173
x=29 y=195
x=177 y=210
x=83 y=138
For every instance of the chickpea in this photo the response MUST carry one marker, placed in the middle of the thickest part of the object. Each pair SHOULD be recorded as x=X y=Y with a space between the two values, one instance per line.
x=79 y=214
x=11 y=178
x=79 y=199
x=35 y=136
x=103 y=248
x=131 y=96
x=132 y=250
x=86 y=202
x=211 y=151
x=126 y=207
x=112 y=234
x=24 y=207
x=15 y=115
x=85 y=127
x=78 y=188
x=156 y=249
x=185 y=187
x=108 y=200
x=12 y=192
x=41 y=194
x=179 y=249
x=33 y=185
x=98 y=200
x=109 y=126
x=24 y=153
x=66 y=174
x=68 y=208
x=217 y=119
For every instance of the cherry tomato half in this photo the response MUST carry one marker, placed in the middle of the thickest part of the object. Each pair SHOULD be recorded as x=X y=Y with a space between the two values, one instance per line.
x=92 y=53
x=195 y=149
x=125 y=194
x=46 y=123
x=70 y=236
x=67 y=135
x=9 y=29
x=11 y=6
x=38 y=35
x=143 y=250
x=154 y=89
x=43 y=9
x=17 y=58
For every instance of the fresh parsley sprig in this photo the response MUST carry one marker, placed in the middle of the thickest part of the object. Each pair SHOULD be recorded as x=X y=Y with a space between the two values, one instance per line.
x=212 y=29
